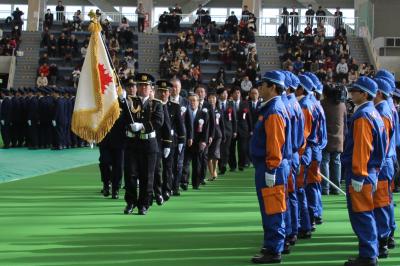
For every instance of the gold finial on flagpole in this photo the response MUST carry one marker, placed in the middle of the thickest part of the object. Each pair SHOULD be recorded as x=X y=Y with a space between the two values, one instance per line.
x=94 y=25
x=92 y=15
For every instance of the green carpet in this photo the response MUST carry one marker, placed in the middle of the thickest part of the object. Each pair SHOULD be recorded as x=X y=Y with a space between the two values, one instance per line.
x=60 y=219
x=19 y=163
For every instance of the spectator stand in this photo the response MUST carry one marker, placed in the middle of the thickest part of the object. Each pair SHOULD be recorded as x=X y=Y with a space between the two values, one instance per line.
x=68 y=56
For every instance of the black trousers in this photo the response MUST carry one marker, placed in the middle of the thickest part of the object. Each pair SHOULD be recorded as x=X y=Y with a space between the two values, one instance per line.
x=6 y=135
x=194 y=157
x=241 y=145
x=140 y=24
x=139 y=167
x=33 y=135
x=45 y=134
x=111 y=166
x=177 y=167
x=58 y=135
x=225 y=151
x=17 y=134
x=163 y=174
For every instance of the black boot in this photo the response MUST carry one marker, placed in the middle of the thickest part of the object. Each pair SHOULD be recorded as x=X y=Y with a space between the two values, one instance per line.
x=286 y=247
x=361 y=262
x=115 y=194
x=318 y=220
x=391 y=242
x=106 y=190
x=292 y=240
x=129 y=209
x=266 y=257
x=304 y=235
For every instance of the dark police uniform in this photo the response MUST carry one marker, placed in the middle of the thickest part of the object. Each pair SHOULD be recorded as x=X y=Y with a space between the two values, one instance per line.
x=58 y=120
x=5 y=118
x=162 y=184
x=33 y=120
x=142 y=148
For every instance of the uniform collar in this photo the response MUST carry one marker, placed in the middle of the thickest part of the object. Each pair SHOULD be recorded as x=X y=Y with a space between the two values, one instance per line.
x=269 y=101
x=361 y=106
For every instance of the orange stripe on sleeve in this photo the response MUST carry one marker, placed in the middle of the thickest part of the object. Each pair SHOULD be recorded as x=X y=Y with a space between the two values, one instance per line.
x=388 y=128
x=308 y=118
x=275 y=138
x=362 y=136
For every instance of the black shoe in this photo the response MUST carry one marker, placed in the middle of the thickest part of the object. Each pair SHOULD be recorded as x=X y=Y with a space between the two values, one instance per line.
x=304 y=235
x=222 y=171
x=184 y=187
x=142 y=211
x=106 y=192
x=166 y=196
x=383 y=248
x=292 y=240
x=318 y=220
x=203 y=183
x=391 y=243
x=286 y=247
x=176 y=193
x=129 y=209
x=266 y=257
x=196 y=188
x=361 y=262
x=159 y=200
x=232 y=170
x=115 y=195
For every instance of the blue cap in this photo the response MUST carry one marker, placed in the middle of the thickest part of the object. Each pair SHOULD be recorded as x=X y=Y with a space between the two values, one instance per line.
x=383 y=73
x=366 y=84
x=288 y=79
x=396 y=93
x=318 y=87
x=274 y=76
x=383 y=86
x=391 y=83
x=295 y=81
x=306 y=83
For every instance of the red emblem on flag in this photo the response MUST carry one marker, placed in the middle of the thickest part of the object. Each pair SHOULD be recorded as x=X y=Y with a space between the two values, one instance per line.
x=105 y=77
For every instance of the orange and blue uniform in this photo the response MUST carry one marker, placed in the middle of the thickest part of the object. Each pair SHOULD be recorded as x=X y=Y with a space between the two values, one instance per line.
x=270 y=150
x=362 y=158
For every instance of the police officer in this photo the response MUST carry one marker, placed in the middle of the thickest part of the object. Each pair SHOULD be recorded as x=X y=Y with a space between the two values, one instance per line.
x=162 y=184
x=362 y=158
x=271 y=152
x=143 y=117
x=33 y=119
x=5 y=118
x=178 y=133
x=58 y=119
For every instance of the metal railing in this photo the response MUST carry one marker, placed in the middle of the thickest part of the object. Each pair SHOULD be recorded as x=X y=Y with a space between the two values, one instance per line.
x=111 y=16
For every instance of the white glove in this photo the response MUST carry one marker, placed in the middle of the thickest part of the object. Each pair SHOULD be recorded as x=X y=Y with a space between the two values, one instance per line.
x=136 y=127
x=269 y=179
x=166 y=152
x=2 y=122
x=53 y=122
x=357 y=185
x=29 y=123
x=122 y=96
x=180 y=147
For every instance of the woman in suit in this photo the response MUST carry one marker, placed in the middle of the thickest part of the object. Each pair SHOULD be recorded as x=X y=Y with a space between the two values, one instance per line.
x=214 y=153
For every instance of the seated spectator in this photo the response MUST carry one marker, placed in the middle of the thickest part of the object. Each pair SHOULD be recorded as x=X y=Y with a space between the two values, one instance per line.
x=107 y=28
x=164 y=67
x=352 y=77
x=62 y=43
x=314 y=66
x=53 y=74
x=114 y=46
x=253 y=58
x=342 y=70
x=206 y=50
x=44 y=59
x=124 y=25
x=52 y=46
x=44 y=69
x=41 y=81
x=298 y=65
x=196 y=56
x=48 y=19
x=73 y=42
x=246 y=86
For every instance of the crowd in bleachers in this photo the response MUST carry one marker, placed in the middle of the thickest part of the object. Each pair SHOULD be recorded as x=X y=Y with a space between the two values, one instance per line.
x=311 y=50
x=65 y=48
x=233 y=42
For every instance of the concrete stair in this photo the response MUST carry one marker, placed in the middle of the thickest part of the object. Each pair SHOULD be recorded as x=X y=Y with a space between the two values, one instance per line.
x=268 y=55
x=358 y=50
x=149 y=53
x=27 y=65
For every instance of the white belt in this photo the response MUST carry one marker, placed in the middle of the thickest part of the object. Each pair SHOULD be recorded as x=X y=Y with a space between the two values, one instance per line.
x=150 y=135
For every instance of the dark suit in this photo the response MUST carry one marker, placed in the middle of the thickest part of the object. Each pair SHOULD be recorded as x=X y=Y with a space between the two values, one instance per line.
x=178 y=131
x=254 y=110
x=230 y=128
x=17 y=121
x=241 y=142
x=206 y=106
x=177 y=166
x=164 y=140
x=5 y=117
x=60 y=121
x=197 y=129
x=46 y=106
x=112 y=155
x=141 y=151
x=34 y=119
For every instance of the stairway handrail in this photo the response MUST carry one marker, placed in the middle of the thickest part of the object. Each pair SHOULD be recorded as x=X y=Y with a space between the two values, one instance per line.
x=11 y=70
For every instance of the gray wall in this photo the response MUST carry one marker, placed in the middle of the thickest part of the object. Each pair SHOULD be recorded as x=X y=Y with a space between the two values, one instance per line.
x=386 y=18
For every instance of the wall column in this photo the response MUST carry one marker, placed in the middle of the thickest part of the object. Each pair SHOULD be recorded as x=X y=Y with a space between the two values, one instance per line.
x=33 y=15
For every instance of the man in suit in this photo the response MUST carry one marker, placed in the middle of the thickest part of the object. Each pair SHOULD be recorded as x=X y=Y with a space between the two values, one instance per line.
x=197 y=125
x=254 y=104
x=175 y=97
x=244 y=131
x=16 y=121
x=143 y=117
x=58 y=119
x=230 y=126
x=162 y=188
x=5 y=118
x=205 y=107
x=46 y=105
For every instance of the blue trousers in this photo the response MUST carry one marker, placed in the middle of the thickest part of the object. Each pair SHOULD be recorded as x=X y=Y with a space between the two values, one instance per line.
x=361 y=213
x=272 y=204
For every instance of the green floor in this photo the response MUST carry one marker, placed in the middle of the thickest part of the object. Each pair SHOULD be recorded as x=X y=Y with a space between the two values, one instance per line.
x=60 y=219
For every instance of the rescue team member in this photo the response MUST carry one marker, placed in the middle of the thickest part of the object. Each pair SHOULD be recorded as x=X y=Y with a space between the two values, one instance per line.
x=363 y=156
x=382 y=194
x=271 y=152
x=303 y=94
